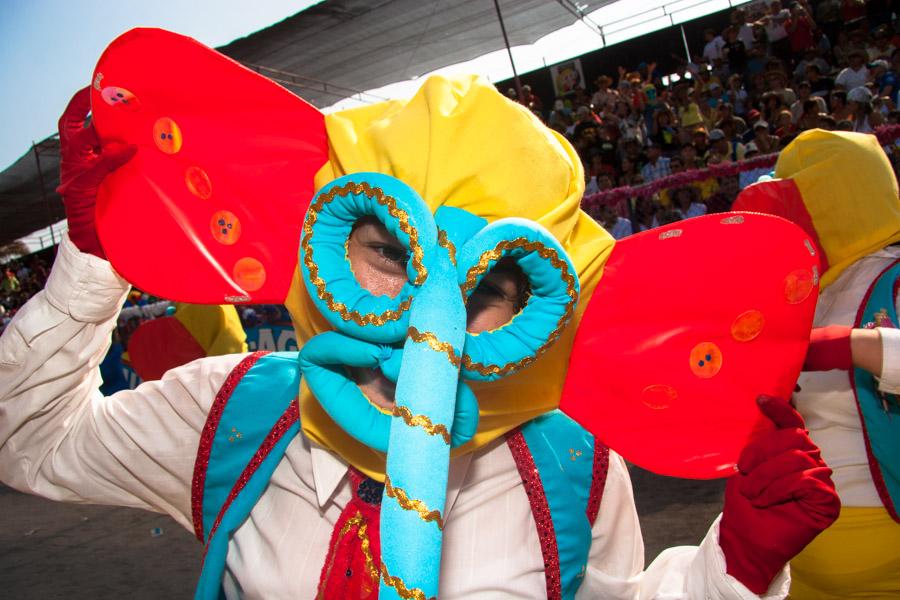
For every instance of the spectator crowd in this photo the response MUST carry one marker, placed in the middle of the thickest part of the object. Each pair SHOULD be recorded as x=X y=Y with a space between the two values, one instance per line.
x=777 y=69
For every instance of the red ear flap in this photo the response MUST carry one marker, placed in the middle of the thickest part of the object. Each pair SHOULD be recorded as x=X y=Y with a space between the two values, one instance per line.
x=782 y=198
x=209 y=209
x=688 y=325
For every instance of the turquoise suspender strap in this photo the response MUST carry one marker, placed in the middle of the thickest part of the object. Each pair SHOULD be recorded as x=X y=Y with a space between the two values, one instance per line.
x=249 y=427
x=563 y=454
x=880 y=414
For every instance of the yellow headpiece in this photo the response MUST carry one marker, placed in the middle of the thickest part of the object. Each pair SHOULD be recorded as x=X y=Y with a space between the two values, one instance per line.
x=459 y=143
x=849 y=190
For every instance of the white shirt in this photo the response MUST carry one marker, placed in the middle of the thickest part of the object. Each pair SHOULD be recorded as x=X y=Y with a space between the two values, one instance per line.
x=850 y=78
x=826 y=399
x=713 y=48
x=60 y=438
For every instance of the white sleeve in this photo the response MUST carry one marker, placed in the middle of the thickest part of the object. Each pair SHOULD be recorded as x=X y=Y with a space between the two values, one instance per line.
x=60 y=437
x=890 y=360
x=616 y=564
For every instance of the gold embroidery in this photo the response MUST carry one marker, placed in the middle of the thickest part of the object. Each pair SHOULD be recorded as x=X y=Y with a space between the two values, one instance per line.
x=403 y=219
x=416 y=505
x=358 y=521
x=544 y=252
x=436 y=345
x=444 y=241
x=421 y=421
x=402 y=590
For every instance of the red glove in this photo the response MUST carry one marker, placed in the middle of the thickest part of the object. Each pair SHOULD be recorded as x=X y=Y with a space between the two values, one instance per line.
x=782 y=498
x=82 y=168
x=829 y=348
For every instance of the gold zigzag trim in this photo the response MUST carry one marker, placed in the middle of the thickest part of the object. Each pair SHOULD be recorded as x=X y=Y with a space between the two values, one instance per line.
x=436 y=344
x=417 y=253
x=402 y=590
x=364 y=544
x=417 y=505
x=421 y=421
x=444 y=241
x=544 y=252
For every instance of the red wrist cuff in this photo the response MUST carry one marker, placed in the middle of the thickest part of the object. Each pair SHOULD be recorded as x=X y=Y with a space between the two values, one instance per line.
x=829 y=348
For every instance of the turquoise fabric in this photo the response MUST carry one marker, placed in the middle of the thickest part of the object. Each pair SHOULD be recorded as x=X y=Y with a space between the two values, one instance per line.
x=322 y=360
x=549 y=307
x=563 y=453
x=882 y=426
x=434 y=343
x=261 y=397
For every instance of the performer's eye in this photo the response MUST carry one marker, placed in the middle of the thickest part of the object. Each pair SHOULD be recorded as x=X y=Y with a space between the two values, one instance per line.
x=394 y=254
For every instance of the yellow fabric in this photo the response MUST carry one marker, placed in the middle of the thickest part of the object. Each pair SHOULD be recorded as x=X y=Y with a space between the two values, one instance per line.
x=849 y=189
x=216 y=328
x=857 y=557
x=458 y=142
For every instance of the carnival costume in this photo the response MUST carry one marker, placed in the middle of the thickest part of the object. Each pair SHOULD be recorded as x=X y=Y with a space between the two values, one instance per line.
x=286 y=495
x=841 y=188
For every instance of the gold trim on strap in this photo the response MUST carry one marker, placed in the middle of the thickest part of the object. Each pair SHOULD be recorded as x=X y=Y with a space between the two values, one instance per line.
x=402 y=590
x=417 y=505
x=444 y=241
x=421 y=421
x=436 y=344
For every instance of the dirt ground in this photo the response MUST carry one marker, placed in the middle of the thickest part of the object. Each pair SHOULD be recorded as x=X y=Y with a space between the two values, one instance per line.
x=52 y=550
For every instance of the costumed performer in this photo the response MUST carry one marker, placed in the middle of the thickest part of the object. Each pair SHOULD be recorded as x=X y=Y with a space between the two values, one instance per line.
x=841 y=188
x=314 y=531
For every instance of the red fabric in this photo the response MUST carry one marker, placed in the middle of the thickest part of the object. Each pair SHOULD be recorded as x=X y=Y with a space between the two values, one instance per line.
x=347 y=572
x=782 y=198
x=682 y=353
x=83 y=166
x=780 y=500
x=222 y=176
x=829 y=348
x=161 y=344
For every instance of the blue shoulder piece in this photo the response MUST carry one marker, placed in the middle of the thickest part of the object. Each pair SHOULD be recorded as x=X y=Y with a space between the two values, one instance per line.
x=880 y=412
x=248 y=430
x=563 y=453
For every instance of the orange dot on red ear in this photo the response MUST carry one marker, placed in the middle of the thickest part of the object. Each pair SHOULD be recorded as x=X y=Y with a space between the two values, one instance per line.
x=225 y=227
x=119 y=97
x=249 y=273
x=659 y=396
x=198 y=182
x=167 y=135
x=747 y=325
x=798 y=285
x=706 y=360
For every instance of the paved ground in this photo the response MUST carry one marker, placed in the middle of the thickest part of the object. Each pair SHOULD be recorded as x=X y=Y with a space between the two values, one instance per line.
x=51 y=550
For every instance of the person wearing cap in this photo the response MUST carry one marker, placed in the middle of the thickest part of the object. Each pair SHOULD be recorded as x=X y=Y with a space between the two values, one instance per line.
x=750 y=177
x=859 y=103
x=888 y=80
x=731 y=150
x=656 y=166
x=843 y=192
x=855 y=73
x=765 y=141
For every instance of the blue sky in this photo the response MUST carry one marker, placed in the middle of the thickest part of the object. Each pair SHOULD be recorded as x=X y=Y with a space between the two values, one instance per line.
x=48 y=49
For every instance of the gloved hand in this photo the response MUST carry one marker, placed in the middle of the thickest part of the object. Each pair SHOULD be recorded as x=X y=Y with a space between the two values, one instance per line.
x=780 y=500
x=83 y=165
x=829 y=348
